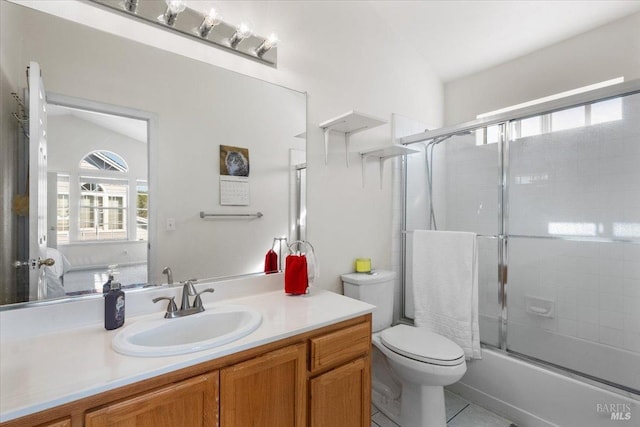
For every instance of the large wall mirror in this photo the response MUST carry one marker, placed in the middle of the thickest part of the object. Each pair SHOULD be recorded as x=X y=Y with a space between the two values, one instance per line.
x=134 y=136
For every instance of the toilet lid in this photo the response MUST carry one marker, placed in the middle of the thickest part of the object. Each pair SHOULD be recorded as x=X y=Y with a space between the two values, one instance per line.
x=423 y=345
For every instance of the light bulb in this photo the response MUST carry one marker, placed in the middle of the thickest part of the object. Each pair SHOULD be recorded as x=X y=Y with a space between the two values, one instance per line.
x=242 y=32
x=212 y=19
x=174 y=7
x=271 y=42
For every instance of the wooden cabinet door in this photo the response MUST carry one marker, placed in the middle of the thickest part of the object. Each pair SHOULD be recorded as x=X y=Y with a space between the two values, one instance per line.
x=342 y=396
x=188 y=403
x=268 y=391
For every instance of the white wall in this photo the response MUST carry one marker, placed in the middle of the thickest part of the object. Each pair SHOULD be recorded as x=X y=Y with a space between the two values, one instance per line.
x=370 y=71
x=607 y=52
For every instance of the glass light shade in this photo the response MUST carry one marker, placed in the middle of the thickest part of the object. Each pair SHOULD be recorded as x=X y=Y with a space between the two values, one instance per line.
x=131 y=5
x=270 y=42
x=212 y=18
x=176 y=6
x=244 y=30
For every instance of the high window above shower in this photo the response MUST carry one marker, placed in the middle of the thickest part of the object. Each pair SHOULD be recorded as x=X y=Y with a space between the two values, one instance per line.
x=603 y=111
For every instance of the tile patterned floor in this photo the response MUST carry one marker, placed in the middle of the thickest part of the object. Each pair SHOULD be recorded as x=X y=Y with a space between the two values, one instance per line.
x=460 y=413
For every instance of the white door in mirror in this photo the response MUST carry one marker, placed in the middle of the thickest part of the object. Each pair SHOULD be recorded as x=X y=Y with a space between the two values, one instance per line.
x=167 y=337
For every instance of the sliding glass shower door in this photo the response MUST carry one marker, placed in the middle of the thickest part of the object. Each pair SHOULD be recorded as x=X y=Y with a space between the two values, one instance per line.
x=574 y=239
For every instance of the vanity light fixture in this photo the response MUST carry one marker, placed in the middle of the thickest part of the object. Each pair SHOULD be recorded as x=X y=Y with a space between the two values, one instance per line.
x=131 y=5
x=269 y=43
x=212 y=19
x=174 y=7
x=243 y=31
x=206 y=26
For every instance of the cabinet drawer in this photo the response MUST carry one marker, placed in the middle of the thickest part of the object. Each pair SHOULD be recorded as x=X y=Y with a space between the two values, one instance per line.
x=341 y=346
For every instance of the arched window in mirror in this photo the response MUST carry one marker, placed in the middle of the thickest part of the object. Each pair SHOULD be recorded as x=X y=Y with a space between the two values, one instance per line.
x=104 y=198
x=105 y=161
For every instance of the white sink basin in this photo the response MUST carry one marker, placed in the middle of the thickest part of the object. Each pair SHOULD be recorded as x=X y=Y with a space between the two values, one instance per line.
x=167 y=337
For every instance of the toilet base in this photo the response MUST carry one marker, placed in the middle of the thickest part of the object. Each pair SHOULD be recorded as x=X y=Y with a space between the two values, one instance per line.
x=422 y=386
x=422 y=406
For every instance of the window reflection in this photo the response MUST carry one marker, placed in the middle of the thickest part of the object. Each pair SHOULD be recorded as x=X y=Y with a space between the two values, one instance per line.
x=606 y=111
x=586 y=229
x=531 y=126
x=568 y=119
x=626 y=229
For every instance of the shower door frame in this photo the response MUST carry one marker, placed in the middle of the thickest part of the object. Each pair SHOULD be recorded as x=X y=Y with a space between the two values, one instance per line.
x=505 y=121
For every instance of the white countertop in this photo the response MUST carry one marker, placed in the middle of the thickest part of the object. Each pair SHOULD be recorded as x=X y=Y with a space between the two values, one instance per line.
x=43 y=371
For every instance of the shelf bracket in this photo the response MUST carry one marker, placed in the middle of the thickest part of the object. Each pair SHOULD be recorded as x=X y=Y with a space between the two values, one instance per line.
x=380 y=166
x=383 y=154
x=347 y=142
x=326 y=144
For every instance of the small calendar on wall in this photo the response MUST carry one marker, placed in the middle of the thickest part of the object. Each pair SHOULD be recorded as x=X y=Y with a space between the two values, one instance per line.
x=234 y=176
x=234 y=190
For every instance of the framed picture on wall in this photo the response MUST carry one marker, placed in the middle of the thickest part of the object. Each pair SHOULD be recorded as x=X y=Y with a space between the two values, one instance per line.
x=234 y=161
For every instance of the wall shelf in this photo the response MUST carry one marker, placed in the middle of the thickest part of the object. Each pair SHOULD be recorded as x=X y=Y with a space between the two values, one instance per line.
x=383 y=154
x=348 y=124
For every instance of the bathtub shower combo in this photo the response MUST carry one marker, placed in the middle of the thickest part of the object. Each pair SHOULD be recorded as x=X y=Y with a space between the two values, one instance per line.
x=553 y=193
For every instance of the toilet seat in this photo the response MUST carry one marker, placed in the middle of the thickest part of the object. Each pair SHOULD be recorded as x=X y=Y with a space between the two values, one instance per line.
x=422 y=345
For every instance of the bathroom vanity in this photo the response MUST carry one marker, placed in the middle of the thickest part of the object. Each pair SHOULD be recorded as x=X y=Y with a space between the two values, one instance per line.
x=308 y=364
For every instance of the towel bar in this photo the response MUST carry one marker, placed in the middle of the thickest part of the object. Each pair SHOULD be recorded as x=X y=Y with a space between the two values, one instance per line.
x=231 y=215
x=484 y=236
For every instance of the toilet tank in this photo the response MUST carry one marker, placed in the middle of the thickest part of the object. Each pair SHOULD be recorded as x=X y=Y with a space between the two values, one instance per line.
x=376 y=289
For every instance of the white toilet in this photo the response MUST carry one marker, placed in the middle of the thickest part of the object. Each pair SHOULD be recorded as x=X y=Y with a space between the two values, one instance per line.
x=421 y=363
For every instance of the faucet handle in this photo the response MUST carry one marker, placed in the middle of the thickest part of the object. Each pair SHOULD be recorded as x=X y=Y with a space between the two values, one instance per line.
x=171 y=307
x=197 y=302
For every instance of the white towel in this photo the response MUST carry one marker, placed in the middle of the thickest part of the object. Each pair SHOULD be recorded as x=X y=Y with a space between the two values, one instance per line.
x=445 y=286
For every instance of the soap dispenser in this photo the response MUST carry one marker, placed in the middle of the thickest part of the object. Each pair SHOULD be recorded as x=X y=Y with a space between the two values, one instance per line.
x=110 y=272
x=114 y=306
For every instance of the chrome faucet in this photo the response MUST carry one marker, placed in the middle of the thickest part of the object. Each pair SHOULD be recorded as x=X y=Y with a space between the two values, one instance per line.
x=185 y=308
x=169 y=274
x=187 y=290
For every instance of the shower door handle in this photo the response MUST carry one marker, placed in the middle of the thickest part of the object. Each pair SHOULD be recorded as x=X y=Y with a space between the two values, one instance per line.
x=502 y=282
